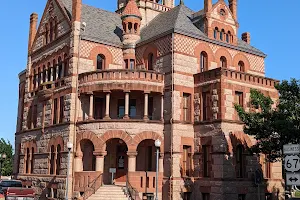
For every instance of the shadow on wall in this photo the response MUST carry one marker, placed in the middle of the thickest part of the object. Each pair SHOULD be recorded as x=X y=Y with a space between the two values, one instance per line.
x=234 y=172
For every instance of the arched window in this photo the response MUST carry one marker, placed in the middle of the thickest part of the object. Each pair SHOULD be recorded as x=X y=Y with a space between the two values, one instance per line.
x=135 y=27
x=51 y=31
x=228 y=37
x=100 y=61
x=203 y=61
x=240 y=161
x=44 y=74
x=216 y=33
x=150 y=61
x=130 y=27
x=52 y=157
x=27 y=160
x=34 y=79
x=222 y=35
x=46 y=34
x=32 y=161
x=58 y=159
x=66 y=65
x=124 y=27
x=241 y=66
x=49 y=71
x=54 y=70
x=223 y=62
x=59 y=67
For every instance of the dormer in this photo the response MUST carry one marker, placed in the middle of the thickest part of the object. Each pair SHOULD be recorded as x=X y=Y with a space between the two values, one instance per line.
x=221 y=21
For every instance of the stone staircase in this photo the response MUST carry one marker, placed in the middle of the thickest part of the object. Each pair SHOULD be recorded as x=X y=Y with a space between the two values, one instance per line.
x=109 y=192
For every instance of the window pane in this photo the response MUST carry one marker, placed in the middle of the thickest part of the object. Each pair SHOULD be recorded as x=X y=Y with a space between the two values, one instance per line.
x=132 y=108
x=121 y=108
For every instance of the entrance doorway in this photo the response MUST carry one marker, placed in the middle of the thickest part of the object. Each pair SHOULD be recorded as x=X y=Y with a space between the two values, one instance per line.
x=116 y=158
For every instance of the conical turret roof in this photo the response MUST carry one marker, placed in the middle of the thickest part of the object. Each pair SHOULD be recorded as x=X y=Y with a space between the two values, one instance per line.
x=131 y=9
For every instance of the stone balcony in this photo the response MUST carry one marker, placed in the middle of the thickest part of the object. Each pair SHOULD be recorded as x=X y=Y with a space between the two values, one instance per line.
x=120 y=79
x=45 y=90
x=232 y=75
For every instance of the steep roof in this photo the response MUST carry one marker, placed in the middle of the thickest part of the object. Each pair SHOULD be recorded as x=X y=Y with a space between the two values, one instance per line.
x=131 y=9
x=106 y=27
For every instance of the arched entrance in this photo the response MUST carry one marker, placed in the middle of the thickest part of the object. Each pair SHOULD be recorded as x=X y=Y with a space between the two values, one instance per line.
x=146 y=156
x=88 y=158
x=117 y=159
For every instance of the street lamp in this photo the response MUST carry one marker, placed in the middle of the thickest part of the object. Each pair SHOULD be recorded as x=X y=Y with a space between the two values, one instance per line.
x=2 y=158
x=157 y=145
x=69 y=146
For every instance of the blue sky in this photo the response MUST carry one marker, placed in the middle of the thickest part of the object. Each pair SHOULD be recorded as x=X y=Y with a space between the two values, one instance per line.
x=273 y=26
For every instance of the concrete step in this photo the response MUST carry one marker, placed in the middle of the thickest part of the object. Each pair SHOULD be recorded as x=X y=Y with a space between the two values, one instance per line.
x=109 y=192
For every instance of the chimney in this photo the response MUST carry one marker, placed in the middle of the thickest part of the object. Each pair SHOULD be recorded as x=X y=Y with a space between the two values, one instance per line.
x=207 y=5
x=246 y=37
x=76 y=10
x=32 y=29
x=233 y=8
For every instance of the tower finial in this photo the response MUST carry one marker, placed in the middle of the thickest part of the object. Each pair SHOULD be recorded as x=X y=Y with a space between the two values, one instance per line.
x=181 y=2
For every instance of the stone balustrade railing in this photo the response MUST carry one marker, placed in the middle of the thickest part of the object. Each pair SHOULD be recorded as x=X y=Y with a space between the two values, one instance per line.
x=121 y=74
x=235 y=76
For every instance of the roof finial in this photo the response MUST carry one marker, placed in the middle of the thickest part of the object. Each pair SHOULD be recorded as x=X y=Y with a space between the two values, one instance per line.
x=181 y=2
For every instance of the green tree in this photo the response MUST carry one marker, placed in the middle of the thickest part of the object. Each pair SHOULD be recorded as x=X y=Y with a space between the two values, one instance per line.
x=6 y=147
x=273 y=127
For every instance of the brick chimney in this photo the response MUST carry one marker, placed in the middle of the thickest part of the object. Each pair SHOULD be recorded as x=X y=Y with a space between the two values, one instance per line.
x=207 y=5
x=32 y=29
x=76 y=10
x=246 y=37
x=233 y=8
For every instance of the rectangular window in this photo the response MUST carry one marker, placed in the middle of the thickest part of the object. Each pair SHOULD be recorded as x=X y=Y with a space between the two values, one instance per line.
x=186 y=165
x=186 y=107
x=205 y=196
x=240 y=168
x=61 y=109
x=149 y=160
x=206 y=160
x=239 y=98
x=206 y=102
x=34 y=116
x=121 y=108
x=132 y=108
x=55 y=111
x=242 y=197
x=98 y=108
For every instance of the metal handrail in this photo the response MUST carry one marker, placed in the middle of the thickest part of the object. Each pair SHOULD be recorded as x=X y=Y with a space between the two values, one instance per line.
x=130 y=191
x=92 y=185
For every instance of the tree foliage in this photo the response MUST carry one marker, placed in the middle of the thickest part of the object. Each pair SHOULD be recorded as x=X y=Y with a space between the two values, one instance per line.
x=6 y=147
x=272 y=126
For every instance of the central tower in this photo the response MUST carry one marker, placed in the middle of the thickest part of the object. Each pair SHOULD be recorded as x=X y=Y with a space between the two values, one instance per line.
x=149 y=9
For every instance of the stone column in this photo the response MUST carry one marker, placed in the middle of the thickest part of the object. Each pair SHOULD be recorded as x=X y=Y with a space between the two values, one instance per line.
x=100 y=161
x=146 y=106
x=42 y=77
x=78 y=165
x=57 y=71
x=80 y=111
x=36 y=81
x=51 y=73
x=132 y=161
x=126 y=105
x=107 y=104
x=46 y=74
x=161 y=162
x=91 y=112
x=162 y=108
x=62 y=69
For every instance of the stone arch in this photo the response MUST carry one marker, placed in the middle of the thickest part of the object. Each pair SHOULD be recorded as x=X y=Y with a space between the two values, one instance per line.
x=56 y=141
x=115 y=134
x=30 y=144
x=238 y=138
x=89 y=135
x=146 y=135
x=241 y=57
x=101 y=50
x=223 y=52
x=206 y=48
x=151 y=48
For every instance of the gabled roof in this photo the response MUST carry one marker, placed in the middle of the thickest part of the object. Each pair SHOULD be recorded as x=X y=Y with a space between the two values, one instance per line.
x=106 y=27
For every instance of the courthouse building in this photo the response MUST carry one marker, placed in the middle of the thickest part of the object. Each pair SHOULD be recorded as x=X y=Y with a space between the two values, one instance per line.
x=111 y=83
